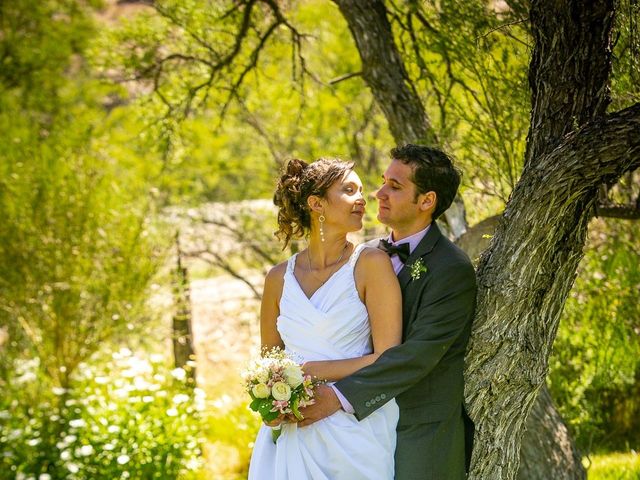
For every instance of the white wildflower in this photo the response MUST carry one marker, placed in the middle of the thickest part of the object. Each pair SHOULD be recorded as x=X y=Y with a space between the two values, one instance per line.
x=156 y=358
x=180 y=398
x=77 y=423
x=85 y=450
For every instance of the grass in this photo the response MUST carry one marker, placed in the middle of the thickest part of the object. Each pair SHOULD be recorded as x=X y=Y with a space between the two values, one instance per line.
x=614 y=466
x=231 y=428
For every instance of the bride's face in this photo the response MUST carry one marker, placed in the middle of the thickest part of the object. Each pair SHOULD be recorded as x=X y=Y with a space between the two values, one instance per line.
x=344 y=204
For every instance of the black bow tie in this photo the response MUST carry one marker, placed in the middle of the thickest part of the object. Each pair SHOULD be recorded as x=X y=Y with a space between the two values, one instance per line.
x=402 y=249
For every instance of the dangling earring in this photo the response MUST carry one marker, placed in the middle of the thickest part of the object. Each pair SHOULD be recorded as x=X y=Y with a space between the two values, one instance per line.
x=321 y=219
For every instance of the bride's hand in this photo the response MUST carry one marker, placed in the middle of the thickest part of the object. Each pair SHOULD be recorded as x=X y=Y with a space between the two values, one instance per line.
x=280 y=420
x=309 y=368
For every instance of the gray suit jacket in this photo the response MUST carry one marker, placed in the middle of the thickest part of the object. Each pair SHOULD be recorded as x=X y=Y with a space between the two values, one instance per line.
x=425 y=373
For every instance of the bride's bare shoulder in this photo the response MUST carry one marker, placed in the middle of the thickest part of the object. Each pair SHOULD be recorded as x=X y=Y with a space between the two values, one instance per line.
x=372 y=263
x=373 y=256
x=275 y=278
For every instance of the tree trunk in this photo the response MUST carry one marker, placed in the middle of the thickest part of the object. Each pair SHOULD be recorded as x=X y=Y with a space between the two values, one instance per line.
x=526 y=275
x=569 y=71
x=384 y=72
x=183 y=350
x=547 y=450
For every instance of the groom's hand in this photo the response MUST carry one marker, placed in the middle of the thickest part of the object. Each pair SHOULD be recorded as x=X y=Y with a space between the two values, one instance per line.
x=326 y=403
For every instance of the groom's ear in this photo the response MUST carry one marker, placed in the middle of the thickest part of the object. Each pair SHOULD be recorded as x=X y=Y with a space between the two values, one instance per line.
x=428 y=201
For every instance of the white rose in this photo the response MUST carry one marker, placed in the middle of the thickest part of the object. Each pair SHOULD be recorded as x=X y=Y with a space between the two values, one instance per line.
x=281 y=391
x=260 y=390
x=293 y=375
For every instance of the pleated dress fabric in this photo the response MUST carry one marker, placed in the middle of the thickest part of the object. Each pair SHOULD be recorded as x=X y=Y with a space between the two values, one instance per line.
x=332 y=324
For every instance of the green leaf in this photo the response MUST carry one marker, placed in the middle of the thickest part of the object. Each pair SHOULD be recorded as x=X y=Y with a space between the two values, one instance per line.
x=294 y=407
x=255 y=405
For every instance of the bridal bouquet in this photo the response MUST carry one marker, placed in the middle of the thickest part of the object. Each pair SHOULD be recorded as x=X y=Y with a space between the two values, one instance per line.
x=277 y=386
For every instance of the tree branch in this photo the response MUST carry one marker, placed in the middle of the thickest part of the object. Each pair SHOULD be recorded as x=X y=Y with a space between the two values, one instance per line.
x=625 y=212
x=599 y=152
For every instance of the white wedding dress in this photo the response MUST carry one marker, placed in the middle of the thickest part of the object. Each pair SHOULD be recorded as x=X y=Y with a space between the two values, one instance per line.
x=333 y=324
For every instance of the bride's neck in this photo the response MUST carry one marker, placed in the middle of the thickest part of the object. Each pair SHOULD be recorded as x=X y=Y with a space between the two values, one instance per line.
x=327 y=253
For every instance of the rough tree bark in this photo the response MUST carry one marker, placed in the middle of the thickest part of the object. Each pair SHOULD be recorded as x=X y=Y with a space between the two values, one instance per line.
x=569 y=71
x=525 y=277
x=562 y=99
x=546 y=218
x=568 y=76
x=547 y=451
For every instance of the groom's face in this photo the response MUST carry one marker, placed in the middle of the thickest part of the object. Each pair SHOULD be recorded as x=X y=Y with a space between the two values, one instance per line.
x=397 y=206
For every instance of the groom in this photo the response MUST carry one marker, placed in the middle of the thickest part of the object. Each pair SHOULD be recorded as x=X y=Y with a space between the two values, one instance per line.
x=425 y=373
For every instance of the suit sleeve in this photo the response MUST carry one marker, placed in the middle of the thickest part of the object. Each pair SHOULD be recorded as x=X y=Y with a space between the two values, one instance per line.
x=445 y=310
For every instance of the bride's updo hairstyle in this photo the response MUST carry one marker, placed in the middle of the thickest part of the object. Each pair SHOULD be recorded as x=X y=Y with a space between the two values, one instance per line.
x=299 y=181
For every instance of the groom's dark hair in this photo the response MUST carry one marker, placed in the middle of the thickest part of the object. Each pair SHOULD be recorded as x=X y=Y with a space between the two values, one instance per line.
x=433 y=171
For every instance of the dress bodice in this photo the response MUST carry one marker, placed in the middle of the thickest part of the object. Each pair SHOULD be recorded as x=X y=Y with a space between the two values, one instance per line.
x=332 y=324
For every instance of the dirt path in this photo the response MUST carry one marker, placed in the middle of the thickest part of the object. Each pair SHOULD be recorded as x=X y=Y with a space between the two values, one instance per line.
x=225 y=326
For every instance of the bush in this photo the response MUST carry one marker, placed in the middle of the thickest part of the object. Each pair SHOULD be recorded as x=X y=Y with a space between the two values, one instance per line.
x=125 y=418
x=594 y=370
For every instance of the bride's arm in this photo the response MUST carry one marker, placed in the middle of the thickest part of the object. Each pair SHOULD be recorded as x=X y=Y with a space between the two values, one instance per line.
x=379 y=289
x=269 y=309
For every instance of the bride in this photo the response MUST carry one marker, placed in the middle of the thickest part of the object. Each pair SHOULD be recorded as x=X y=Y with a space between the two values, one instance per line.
x=334 y=307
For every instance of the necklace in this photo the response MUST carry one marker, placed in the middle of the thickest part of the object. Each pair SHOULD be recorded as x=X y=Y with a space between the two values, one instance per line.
x=337 y=262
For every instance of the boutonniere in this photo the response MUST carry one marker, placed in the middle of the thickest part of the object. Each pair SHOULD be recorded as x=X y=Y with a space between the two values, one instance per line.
x=417 y=268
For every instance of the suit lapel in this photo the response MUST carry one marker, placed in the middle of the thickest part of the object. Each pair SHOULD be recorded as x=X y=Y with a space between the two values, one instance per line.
x=424 y=247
